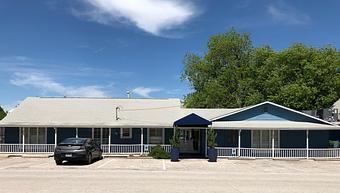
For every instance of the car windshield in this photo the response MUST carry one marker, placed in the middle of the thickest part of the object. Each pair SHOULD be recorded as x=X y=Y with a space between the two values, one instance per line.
x=73 y=141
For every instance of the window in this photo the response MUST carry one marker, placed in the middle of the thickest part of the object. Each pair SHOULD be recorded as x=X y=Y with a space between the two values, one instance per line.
x=97 y=135
x=263 y=138
x=101 y=135
x=105 y=136
x=73 y=141
x=155 y=136
x=34 y=135
x=125 y=133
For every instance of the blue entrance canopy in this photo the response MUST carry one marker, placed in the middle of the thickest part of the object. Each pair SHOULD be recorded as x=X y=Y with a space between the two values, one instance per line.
x=192 y=120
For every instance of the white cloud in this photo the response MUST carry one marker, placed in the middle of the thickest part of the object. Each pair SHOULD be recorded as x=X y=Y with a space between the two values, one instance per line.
x=283 y=13
x=152 y=16
x=47 y=84
x=145 y=91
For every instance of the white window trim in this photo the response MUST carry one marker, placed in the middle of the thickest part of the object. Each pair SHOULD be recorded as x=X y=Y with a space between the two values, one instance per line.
x=125 y=137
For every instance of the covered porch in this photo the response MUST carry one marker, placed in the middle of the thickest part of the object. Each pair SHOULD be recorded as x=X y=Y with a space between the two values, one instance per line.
x=268 y=130
x=115 y=141
x=278 y=144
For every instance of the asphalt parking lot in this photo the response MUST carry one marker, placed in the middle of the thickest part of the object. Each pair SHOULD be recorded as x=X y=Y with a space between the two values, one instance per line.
x=150 y=175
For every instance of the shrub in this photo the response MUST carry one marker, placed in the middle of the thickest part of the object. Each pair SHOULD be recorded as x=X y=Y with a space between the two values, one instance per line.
x=158 y=152
x=211 y=138
x=175 y=141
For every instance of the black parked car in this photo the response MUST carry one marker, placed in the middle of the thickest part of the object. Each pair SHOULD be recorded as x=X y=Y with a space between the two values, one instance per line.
x=77 y=149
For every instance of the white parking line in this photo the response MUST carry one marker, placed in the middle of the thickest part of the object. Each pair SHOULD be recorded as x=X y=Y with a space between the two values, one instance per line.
x=105 y=163
x=164 y=168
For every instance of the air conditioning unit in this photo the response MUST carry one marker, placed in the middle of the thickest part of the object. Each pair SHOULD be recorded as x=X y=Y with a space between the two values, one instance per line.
x=331 y=115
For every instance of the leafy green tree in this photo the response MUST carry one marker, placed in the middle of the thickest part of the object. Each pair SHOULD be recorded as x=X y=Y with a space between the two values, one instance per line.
x=2 y=113
x=233 y=73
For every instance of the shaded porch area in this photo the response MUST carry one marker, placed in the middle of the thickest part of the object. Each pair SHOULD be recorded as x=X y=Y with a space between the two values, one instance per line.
x=277 y=143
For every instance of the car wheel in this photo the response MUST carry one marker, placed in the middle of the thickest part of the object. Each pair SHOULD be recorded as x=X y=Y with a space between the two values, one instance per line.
x=89 y=159
x=58 y=162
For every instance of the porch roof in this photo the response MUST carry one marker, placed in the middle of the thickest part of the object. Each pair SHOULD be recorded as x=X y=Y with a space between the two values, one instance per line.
x=272 y=125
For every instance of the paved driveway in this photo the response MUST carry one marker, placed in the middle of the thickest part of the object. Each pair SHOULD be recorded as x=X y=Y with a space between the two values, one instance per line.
x=149 y=175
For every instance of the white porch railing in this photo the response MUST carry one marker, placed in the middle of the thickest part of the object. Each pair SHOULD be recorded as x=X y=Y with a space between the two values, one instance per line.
x=278 y=152
x=128 y=149
x=11 y=148
x=137 y=149
x=28 y=148
x=147 y=148
x=256 y=152
x=122 y=149
x=131 y=149
x=227 y=151
x=324 y=153
x=290 y=152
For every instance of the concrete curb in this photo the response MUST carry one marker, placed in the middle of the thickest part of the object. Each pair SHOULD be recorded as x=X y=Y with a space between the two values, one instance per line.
x=26 y=155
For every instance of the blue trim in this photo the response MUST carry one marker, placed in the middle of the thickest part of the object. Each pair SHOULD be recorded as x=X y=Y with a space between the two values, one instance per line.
x=12 y=135
x=168 y=133
x=268 y=112
x=135 y=138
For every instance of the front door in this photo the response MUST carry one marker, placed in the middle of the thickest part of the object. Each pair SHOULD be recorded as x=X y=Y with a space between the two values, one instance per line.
x=189 y=141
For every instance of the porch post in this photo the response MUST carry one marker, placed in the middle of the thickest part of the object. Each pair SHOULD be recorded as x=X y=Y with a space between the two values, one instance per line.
x=55 y=136
x=273 y=144
x=141 y=142
x=307 y=144
x=101 y=136
x=239 y=143
x=76 y=132
x=206 y=142
x=109 y=140
x=23 y=139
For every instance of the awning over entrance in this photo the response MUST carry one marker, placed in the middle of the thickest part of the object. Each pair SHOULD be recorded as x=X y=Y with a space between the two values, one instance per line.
x=272 y=125
x=192 y=120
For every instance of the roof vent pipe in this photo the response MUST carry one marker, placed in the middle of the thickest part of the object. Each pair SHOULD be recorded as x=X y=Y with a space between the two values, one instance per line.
x=117 y=117
x=128 y=94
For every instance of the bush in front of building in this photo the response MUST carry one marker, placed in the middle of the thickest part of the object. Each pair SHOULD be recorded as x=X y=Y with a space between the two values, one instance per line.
x=158 y=152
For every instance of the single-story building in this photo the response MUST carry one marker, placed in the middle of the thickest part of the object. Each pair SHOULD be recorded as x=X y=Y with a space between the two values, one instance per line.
x=132 y=126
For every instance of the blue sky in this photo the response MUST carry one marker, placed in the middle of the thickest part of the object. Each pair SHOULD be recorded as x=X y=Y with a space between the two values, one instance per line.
x=103 y=48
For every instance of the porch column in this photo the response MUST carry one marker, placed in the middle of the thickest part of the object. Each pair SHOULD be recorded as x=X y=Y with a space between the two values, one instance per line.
x=307 y=144
x=55 y=137
x=239 y=143
x=23 y=139
x=141 y=142
x=273 y=144
x=109 y=140
x=206 y=142
x=76 y=132
x=101 y=136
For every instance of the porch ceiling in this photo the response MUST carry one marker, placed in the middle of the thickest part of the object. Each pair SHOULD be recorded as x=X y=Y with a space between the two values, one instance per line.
x=272 y=125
